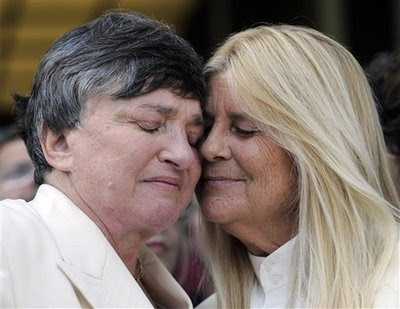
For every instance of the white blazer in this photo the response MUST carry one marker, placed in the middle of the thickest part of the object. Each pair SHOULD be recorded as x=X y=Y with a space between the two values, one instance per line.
x=53 y=255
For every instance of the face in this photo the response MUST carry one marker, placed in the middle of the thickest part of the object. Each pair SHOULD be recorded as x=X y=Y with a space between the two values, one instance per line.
x=135 y=163
x=16 y=179
x=247 y=178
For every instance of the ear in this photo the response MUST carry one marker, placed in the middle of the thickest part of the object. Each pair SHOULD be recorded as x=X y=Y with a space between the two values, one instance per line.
x=56 y=150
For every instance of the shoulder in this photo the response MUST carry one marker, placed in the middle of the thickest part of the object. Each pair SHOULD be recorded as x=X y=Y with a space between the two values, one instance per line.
x=29 y=241
x=20 y=222
x=208 y=303
x=18 y=216
x=16 y=209
x=28 y=237
x=28 y=256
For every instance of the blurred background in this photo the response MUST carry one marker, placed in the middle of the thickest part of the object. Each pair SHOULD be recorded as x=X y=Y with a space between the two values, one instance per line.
x=29 y=27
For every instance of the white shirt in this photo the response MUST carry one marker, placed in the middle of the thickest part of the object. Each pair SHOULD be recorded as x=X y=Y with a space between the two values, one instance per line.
x=273 y=284
x=271 y=289
x=273 y=273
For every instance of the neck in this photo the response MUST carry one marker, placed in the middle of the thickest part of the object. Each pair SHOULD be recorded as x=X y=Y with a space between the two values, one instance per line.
x=263 y=239
x=128 y=249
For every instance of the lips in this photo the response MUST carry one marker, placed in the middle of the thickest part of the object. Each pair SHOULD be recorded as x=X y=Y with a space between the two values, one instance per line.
x=221 y=180
x=166 y=181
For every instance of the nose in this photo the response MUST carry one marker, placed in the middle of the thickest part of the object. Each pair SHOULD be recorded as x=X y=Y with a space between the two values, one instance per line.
x=179 y=152
x=215 y=147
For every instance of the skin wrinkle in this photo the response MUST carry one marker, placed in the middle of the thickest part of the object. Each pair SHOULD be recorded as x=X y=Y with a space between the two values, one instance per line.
x=125 y=213
x=258 y=204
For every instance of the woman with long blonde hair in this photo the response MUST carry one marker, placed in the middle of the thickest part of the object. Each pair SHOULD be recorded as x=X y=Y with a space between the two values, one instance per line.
x=299 y=206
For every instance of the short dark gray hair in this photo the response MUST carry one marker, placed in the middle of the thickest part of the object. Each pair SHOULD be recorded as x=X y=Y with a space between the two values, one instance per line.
x=121 y=54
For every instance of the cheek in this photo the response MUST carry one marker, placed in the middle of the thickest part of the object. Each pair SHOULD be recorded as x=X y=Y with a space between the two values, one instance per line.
x=276 y=182
x=271 y=173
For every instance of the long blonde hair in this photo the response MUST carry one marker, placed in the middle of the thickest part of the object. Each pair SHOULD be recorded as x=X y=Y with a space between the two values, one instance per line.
x=311 y=96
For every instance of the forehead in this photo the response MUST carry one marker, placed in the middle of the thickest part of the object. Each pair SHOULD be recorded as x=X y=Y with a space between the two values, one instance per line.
x=221 y=98
x=163 y=101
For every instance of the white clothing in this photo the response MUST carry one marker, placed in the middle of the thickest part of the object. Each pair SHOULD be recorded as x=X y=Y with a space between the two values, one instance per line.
x=272 y=286
x=53 y=255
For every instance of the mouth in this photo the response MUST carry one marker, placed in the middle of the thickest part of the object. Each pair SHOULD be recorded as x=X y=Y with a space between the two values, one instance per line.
x=221 y=180
x=165 y=182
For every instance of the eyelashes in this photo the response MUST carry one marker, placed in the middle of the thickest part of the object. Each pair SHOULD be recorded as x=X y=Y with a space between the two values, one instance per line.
x=149 y=128
x=234 y=129
x=242 y=132
x=153 y=128
x=240 y=127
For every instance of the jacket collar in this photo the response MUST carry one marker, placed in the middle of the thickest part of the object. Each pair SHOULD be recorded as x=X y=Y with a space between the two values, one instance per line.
x=93 y=266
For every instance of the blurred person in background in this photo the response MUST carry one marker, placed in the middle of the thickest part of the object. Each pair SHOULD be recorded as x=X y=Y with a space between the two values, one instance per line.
x=300 y=208
x=384 y=76
x=16 y=167
x=177 y=248
x=111 y=124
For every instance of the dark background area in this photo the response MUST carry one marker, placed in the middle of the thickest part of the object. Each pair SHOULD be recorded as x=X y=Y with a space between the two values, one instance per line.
x=365 y=27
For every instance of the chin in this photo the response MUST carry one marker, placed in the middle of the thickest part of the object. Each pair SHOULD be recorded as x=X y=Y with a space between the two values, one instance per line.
x=215 y=217
x=161 y=220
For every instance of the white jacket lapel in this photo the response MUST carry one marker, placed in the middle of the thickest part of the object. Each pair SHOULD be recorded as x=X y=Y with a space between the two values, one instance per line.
x=117 y=288
x=88 y=260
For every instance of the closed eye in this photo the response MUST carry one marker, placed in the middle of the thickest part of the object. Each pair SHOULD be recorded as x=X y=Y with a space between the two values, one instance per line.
x=149 y=128
x=242 y=132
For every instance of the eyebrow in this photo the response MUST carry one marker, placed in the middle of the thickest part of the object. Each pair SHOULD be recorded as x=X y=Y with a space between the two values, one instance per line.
x=166 y=111
x=232 y=116
x=161 y=109
x=237 y=117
